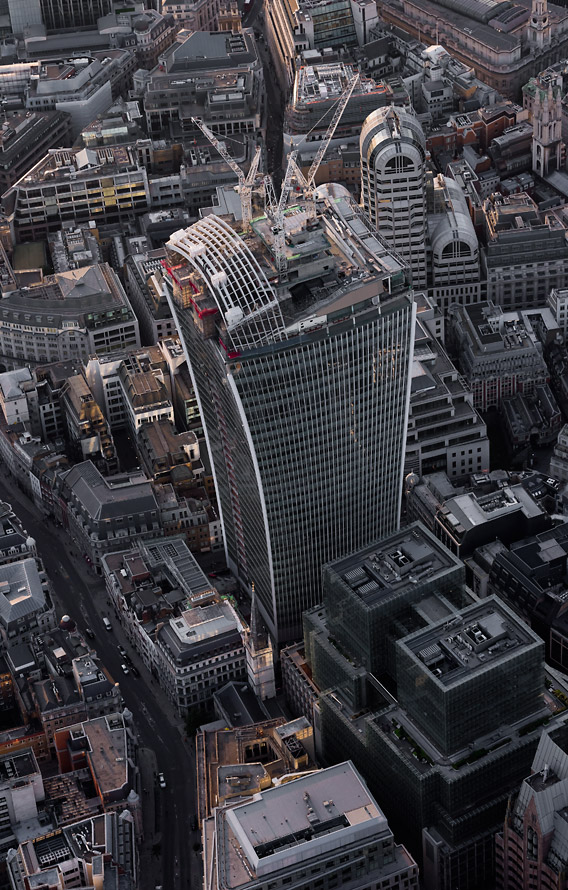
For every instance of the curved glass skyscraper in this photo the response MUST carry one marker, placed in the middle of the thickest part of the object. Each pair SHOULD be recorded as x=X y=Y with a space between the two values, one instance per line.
x=304 y=411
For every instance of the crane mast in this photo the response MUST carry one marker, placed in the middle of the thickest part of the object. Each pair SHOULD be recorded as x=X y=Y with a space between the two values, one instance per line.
x=246 y=183
x=276 y=211
x=330 y=132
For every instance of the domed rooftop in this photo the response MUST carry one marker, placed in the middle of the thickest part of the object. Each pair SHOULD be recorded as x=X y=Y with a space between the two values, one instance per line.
x=67 y=623
x=142 y=23
x=410 y=481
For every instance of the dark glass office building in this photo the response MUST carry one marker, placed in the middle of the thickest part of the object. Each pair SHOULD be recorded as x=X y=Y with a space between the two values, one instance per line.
x=304 y=413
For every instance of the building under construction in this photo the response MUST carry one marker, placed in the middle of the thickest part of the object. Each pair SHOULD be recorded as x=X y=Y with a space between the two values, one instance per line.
x=317 y=90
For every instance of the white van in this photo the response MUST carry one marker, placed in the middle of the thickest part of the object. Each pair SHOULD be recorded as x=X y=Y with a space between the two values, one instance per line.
x=107 y=624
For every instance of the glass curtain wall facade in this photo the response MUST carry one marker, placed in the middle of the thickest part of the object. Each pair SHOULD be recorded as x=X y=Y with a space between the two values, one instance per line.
x=61 y=14
x=333 y=24
x=306 y=437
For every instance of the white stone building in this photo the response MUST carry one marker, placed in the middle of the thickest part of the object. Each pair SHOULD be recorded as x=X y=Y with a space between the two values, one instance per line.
x=200 y=652
x=322 y=828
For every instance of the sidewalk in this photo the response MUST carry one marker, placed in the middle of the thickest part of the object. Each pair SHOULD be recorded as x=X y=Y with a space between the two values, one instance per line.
x=149 y=864
x=157 y=691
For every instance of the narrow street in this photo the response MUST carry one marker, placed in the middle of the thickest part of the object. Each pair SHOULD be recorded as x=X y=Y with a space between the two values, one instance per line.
x=82 y=595
x=274 y=98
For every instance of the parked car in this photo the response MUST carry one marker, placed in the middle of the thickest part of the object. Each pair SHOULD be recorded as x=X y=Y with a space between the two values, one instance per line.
x=89 y=633
x=125 y=669
x=161 y=780
x=123 y=651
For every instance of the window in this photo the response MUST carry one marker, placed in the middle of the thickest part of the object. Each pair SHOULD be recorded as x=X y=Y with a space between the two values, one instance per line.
x=532 y=844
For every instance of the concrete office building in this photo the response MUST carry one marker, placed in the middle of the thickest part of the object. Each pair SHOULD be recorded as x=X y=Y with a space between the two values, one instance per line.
x=217 y=77
x=304 y=411
x=86 y=428
x=44 y=400
x=284 y=747
x=445 y=431
x=199 y=652
x=22 y=800
x=101 y=846
x=195 y=15
x=161 y=449
x=465 y=519
x=301 y=693
x=26 y=608
x=25 y=139
x=393 y=157
x=325 y=827
x=559 y=459
x=80 y=87
x=145 y=394
x=147 y=294
x=105 y=514
x=69 y=316
x=454 y=255
x=109 y=184
x=525 y=253
x=505 y=43
x=317 y=89
x=72 y=248
x=557 y=302
x=499 y=352
x=132 y=387
x=533 y=420
x=158 y=578
x=280 y=18
x=14 y=389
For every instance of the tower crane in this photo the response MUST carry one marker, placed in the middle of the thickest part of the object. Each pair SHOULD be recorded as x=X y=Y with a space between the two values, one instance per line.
x=246 y=183
x=275 y=210
x=338 y=114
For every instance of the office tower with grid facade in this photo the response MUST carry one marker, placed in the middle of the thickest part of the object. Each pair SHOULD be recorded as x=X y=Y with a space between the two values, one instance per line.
x=56 y=14
x=393 y=153
x=304 y=409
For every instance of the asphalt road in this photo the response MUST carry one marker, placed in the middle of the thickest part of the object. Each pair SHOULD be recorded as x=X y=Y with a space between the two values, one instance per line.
x=274 y=97
x=250 y=17
x=83 y=596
